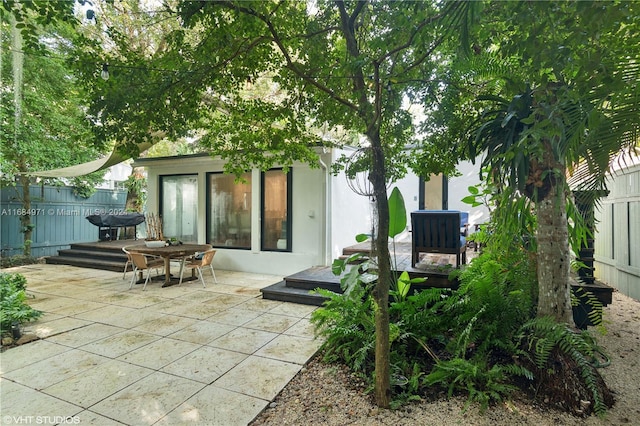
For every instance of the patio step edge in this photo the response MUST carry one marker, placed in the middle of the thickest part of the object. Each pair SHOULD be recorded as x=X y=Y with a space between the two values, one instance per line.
x=281 y=292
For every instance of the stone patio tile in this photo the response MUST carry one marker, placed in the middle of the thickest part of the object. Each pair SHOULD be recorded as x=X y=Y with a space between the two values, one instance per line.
x=121 y=343
x=25 y=355
x=57 y=368
x=259 y=377
x=164 y=307
x=28 y=327
x=96 y=384
x=302 y=328
x=87 y=417
x=57 y=326
x=197 y=296
x=195 y=310
x=233 y=316
x=21 y=405
x=147 y=400
x=166 y=324
x=293 y=309
x=119 y=316
x=47 y=302
x=271 y=322
x=228 y=300
x=244 y=340
x=172 y=292
x=120 y=298
x=84 y=335
x=139 y=301
x=290 y=348
x=205 y=364
x=157 y=354
x=241 y=279
x=78 y=307
x=64 y=289
x=233 y=289
x=260 y=305
x=214 y=406
x=202 y=332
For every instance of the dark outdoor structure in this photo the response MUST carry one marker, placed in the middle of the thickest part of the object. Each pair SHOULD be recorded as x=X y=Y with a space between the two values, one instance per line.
x=439 y=231
x=108 y=224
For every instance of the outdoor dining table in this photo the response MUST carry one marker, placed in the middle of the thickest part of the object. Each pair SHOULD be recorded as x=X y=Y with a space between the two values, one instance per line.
x=179 y=251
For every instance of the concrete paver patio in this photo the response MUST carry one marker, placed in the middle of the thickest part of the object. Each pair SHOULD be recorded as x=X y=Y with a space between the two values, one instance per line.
x=108 y=355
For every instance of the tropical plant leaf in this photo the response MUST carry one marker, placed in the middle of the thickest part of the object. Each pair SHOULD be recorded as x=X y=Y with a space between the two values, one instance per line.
x=397 y=213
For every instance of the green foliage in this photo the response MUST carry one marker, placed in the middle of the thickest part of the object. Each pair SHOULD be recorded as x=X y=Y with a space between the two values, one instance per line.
x=541 y=336
x=580 y=296
x=461 y=340
x=397 y=213
x=136 y=184
x=347 y=323
x=13 y=308
x=482 y=384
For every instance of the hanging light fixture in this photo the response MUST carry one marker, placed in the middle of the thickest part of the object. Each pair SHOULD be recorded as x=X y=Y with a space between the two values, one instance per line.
x=105 y=72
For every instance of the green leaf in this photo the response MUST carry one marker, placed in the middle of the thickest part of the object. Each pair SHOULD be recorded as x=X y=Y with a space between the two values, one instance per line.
x=397 y=213
x=361 y=238
x=471 y=199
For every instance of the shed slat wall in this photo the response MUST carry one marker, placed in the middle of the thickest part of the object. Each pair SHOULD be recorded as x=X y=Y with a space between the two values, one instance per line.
x=617 y=239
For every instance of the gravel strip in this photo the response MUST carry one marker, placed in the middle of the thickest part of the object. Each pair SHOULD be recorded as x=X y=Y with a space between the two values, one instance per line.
x=324 y=394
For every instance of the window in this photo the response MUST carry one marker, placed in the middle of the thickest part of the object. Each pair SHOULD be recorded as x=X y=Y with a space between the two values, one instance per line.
x=179 y=207
x=276 y=211
x=229 y=211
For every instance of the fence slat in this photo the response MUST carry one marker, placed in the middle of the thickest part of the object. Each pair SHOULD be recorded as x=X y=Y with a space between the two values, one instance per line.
x=59 y=217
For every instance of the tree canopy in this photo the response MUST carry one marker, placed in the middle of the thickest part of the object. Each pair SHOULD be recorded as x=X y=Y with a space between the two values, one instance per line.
x=346 y=67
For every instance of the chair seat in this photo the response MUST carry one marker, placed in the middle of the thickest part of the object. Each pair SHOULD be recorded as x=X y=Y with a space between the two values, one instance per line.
x=143 y=262
x=197 y=262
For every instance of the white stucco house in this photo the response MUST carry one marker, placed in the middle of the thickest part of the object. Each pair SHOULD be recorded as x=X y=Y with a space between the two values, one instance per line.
x=273 y=222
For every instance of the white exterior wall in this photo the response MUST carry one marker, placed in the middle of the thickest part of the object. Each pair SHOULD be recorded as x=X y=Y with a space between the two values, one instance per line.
x=458 y=189
x=326 y=213
x=350 y=213
x=308 y=213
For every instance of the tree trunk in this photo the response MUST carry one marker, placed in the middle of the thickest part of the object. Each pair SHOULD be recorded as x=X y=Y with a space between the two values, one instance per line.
x=25 y=219
x=554 y=290
x=381 y=294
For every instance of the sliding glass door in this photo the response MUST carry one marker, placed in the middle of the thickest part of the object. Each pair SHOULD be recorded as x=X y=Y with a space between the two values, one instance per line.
x=179 y=207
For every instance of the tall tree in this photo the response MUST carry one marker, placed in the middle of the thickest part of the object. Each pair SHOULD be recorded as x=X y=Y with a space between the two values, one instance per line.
x=565 y=100
x=334 y=64
x=44 y=124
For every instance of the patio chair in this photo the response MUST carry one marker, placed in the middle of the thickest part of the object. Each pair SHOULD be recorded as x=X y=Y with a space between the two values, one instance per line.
x=198 y=262
x=140 y=263
x=128 y=263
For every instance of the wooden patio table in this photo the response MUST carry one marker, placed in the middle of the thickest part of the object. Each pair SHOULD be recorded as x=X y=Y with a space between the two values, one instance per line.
x=179 y=251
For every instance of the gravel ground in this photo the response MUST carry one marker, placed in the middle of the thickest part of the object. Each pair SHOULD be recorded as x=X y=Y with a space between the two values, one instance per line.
x=330 y=395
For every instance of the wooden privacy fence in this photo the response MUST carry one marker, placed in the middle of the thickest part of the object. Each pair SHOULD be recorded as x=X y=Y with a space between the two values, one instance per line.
x=617 y=239
x=58 y=215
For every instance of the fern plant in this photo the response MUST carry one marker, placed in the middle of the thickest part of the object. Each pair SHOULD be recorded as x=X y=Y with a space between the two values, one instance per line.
x=586 y=301
x=541 y=336
x=482 y=383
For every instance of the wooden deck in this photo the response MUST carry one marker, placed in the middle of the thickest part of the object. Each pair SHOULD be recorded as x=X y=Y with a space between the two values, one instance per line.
x=107 y=255
x=298 y=287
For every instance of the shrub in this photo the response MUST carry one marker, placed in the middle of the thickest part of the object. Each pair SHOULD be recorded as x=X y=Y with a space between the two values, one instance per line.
x=13 y=308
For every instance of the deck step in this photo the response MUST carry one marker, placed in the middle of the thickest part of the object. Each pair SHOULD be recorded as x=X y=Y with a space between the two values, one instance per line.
x=101 y=255
x=116 y=256
x=313 y=278
x=85 y=262
x=283 y=293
